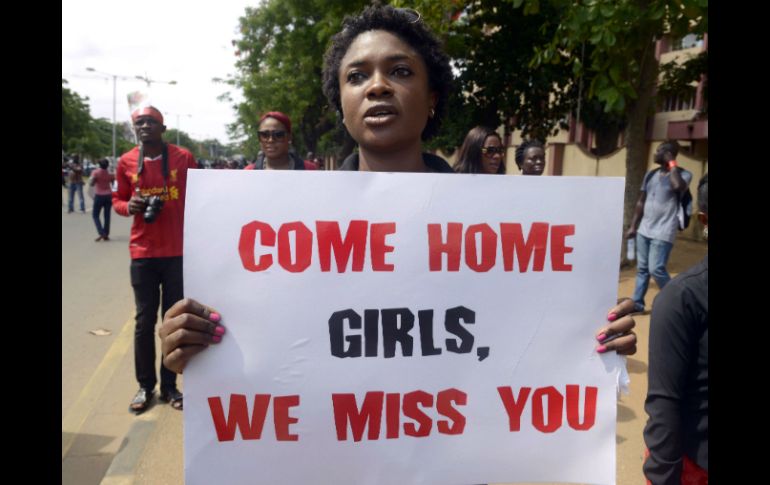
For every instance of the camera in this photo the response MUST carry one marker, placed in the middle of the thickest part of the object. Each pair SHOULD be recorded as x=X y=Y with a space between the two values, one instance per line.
x=154 y=205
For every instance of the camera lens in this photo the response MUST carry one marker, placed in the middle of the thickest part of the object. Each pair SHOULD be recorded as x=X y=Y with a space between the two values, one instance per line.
x=154 y=205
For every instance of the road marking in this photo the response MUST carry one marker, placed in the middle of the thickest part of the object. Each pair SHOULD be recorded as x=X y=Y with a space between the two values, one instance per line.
x=122 y=470
x=84 y=405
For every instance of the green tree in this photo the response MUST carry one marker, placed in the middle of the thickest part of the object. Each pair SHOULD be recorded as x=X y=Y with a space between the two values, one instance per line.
x=621 y=66
x=281 y=47
x=75 y=119
x=185 y=140
x=491 y=44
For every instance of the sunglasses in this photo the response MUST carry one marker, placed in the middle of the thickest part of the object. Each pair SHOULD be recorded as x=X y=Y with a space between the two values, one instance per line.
x=492 y=150
x=274 y=134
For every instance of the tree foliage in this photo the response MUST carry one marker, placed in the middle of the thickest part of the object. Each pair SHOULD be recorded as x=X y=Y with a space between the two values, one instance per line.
x=281 y=47
x=92 y=138
x=677 y=78
x=620 y=67
x=491 y=43
x=518 y=63
x=75 y=118
x=620 y=37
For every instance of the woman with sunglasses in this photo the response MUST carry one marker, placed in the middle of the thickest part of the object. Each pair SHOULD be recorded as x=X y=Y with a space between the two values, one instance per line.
x=275 y=140
x=389 y=78
x=481 y=152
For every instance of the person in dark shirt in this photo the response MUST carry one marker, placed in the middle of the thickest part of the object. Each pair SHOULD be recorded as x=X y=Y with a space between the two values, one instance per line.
x=676 y=433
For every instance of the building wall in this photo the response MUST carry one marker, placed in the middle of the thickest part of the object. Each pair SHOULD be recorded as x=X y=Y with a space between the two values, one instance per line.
x=578 y=162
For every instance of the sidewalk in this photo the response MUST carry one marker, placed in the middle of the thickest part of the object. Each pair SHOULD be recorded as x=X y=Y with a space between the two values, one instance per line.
x=152 y=451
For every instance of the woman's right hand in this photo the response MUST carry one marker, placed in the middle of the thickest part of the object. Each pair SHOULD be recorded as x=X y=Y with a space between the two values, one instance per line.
x=188 y=328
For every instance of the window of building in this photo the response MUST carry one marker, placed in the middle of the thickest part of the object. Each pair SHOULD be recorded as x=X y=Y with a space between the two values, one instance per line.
x=678 y=102
x=687 y=42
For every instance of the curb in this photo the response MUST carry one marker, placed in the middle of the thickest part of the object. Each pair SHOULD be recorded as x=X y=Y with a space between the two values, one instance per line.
x=123 y=466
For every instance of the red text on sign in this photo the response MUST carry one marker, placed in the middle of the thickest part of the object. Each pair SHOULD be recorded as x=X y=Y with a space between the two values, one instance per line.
x=368 y=418
x=260 y=237
x=251 y=427
x=450 y=241
x=548 y=406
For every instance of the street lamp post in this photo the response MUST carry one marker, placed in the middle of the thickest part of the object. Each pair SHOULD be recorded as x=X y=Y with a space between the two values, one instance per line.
x=149 y=81
x=114 y=92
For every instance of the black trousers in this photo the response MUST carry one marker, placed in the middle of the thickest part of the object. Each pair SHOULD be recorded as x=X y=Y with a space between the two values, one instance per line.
x=148 y=277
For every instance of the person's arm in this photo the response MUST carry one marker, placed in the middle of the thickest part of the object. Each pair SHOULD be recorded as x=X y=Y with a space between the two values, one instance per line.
x=124 y=200
x=669 y=359
x=638 y=214
x=678 y=183
x=188 y=328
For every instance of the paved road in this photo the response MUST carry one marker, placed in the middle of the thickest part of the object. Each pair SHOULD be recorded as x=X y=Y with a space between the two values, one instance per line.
x=97 y=376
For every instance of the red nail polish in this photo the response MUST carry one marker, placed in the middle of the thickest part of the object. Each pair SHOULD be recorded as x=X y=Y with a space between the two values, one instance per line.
x=612 y=317
x=220 y=330
x=601 y=349
x=215 y=317
x=216 y=338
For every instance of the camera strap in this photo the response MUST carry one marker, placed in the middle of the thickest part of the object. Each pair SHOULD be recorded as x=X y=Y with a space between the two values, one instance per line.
x=140 y=164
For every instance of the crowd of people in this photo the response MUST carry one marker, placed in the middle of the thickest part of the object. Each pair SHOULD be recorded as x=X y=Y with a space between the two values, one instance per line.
x=389 y=79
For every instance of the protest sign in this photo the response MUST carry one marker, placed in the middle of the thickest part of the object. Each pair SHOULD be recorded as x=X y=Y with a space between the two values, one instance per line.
x=401 y=328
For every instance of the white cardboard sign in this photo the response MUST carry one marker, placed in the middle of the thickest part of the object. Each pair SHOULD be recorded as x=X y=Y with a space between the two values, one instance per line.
x=401 y=328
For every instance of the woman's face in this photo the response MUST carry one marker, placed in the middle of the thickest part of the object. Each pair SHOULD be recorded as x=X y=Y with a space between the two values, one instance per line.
x=492 y=152
x=384 y=92
x=274 y=139
x=534 y=161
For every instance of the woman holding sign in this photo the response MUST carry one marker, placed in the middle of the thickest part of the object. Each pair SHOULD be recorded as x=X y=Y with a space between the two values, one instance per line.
x=389 y=78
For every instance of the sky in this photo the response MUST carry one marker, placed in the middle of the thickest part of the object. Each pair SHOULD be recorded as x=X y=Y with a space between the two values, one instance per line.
x=189 y=42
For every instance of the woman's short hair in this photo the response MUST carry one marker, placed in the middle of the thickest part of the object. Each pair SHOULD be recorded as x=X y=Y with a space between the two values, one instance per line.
x=407 y=26
x=526 y=145
x=469 y=156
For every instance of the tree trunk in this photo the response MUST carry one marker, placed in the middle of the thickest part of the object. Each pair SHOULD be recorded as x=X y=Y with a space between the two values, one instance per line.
x=637 y=148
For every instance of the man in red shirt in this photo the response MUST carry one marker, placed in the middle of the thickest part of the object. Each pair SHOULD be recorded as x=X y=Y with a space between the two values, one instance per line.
x=153 y=170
